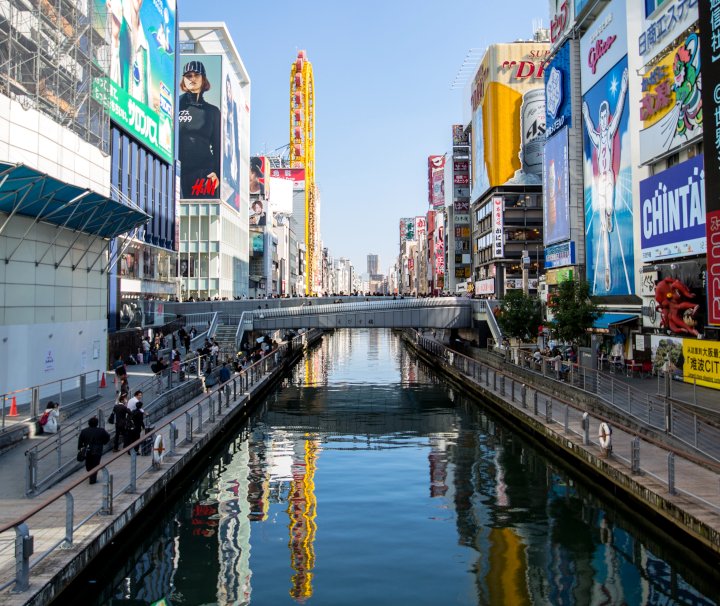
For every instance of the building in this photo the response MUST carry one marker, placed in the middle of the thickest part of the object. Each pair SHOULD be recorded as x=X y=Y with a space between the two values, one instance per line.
x=507 y=135
x=373 y=264
x=214 y=210
x=458 y=274
x=58 y=210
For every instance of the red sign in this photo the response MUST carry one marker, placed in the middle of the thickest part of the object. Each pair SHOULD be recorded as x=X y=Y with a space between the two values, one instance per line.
x=712 y=228
x=461 y=179
x=296 y=175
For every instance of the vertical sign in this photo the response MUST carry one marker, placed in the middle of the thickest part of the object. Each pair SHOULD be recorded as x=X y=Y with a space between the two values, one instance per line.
x=710 y=65
x=498 y=238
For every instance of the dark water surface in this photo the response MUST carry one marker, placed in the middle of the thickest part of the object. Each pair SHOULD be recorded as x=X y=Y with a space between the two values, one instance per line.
x=364 y=479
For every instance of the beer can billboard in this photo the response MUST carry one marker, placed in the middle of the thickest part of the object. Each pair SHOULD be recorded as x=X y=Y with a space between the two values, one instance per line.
x=200 y=129
x=139 y=91
x=508 y=116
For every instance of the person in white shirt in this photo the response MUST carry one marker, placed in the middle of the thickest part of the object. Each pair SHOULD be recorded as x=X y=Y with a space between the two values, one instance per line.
x=135 y=401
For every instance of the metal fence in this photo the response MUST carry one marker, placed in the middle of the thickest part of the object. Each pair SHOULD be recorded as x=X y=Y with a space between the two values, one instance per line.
x=21 y=552
x=70 y=390
x=686 y=427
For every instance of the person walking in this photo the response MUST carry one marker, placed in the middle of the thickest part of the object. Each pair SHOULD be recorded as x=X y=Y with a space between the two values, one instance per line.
x=135 y=401
x=120 y=415
x=93 y=438
x=135 y=426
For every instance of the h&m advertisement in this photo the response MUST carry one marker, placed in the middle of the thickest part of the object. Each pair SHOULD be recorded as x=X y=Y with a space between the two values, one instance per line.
x=140 y=90
x=556 y=189
x=508 y=120
x=610 y=262
x=671 y=103
x=672 y=212
x=200 y=127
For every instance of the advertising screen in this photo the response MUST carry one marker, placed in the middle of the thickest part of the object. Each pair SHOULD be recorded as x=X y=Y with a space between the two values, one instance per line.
x=232 y=172
x=508 y=119
x=608 y=185
x=258 y=177
x=710 y=26
x=671 y=102
x=556 y=189
x=140 y=90
x=200 y=126
x=672 y=212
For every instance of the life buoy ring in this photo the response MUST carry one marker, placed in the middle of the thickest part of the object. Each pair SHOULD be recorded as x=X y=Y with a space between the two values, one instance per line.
x=158 y=453
x=605 y=436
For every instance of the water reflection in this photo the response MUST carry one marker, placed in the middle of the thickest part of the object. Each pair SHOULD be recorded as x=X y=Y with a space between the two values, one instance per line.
x=374 y=483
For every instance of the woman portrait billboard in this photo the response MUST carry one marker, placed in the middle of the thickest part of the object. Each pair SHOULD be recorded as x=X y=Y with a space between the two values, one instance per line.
x=200 y=127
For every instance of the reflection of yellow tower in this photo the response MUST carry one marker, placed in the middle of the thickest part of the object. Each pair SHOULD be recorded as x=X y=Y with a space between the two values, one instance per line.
x=302 y=509
x=302 y=155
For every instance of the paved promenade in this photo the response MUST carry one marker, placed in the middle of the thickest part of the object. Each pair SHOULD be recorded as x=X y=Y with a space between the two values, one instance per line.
x=696 y=495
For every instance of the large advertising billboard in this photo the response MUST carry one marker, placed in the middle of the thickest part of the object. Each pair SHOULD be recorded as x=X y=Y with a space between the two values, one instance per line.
x=407 y=229
x=675 y=17
x=562 y=18
x=607 y=170
x=672 y=212
x=710 y=31
x=232 y=166
x=200 y=127
x=436 y=181
x=296 y=175
x=671 y=102
x=558 y=95
x=508 y=119
x=556 y=189
x=259 y=180
x=603 y=45
x=140 y=90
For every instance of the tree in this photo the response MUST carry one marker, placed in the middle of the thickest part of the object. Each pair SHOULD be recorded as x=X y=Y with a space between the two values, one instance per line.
x=520 y=315
x=573 y=311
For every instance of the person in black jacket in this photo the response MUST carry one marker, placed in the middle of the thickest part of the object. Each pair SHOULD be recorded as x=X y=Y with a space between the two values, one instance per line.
x=135 y=426
x=121 y=414
x=200 y=135
x=94 y=438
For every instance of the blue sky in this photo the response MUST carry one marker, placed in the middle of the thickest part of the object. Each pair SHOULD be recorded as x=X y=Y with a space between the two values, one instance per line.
x=383 y=74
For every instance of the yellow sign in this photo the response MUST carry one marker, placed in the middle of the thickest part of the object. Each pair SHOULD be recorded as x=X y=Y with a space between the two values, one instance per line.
x=702 y=362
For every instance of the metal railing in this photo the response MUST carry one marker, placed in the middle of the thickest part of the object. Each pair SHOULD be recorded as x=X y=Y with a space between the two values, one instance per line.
x=120 y=473
x=70 y=390
x=675 y=469
x=53 y=459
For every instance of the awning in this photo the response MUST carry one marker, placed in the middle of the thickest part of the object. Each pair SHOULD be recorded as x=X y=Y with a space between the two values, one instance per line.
x=605 y=321
x=29 y=192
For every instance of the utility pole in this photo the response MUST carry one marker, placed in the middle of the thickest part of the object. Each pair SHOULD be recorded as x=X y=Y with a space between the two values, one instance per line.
x=525 y=271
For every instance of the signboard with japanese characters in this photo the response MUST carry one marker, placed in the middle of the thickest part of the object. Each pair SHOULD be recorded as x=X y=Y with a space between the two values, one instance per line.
x=498 y=236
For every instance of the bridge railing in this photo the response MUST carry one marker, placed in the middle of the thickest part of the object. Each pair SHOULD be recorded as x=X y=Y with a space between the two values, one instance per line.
x=547 y=405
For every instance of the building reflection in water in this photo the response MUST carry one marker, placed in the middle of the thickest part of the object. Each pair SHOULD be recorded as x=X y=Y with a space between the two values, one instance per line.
x=528 y=533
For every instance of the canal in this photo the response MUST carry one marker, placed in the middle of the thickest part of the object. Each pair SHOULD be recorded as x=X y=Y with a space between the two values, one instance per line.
x=365 y=479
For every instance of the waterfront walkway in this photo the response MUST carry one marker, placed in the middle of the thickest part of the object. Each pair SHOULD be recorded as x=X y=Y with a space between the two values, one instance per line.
x=207 y=415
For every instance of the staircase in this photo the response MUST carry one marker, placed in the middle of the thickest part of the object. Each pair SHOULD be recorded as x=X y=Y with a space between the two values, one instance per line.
x=225 y=337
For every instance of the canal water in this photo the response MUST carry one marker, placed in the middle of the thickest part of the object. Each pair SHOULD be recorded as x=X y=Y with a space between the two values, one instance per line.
x=365 y=479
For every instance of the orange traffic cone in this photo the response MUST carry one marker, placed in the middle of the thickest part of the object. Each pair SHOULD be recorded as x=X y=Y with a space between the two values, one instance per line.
x=13 y=408
x=102 y=381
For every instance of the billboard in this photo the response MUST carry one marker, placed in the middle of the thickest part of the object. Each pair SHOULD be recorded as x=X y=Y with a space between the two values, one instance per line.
x=232 y=167
x=460 y=137
x=558 y=96
x=607 y=171
x=407 y=229
x=258 y=214
x=560 y=255
x=140 y=90
x=508 y=116
x=676 y=17
x=702 y=362
x=497 y=227
x=671 y=102
x=556 y=189
x=436 y=181
x=420 y=227
x=710 y=30
x=259 y=179
x=439 y=246
x=200 y=127
x=562 y=17
x=296 y=175
x=603 y=45
x=672 y=212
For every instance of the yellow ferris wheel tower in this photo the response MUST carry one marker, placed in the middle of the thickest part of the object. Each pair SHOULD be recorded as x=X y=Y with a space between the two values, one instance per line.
x=302 y=155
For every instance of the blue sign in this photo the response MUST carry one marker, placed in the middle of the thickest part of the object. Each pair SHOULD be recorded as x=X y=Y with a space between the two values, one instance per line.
x=557 y=91
x=560 y=255
x=672 y=212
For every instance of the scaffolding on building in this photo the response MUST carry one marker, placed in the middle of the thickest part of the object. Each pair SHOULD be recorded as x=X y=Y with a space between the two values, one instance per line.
x=50 y=53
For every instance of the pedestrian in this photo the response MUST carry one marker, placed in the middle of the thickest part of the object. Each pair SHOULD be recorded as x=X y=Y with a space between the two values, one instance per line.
x=93 y=438
x=119 y=416
x=224 y=373
x=146 y=350
x=119 y=368
x=51 y=418
x=557 y=362
x=135 y=426
x=135 y=401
